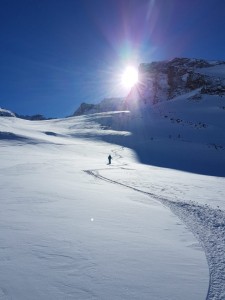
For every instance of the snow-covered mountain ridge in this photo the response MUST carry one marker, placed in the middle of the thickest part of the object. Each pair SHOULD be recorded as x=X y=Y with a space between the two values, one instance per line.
x=6 y=113
x=107 y=104
x=163 y=81
x=174 y=117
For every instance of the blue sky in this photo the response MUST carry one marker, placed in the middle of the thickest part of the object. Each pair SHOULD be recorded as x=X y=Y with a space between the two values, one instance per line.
x=56 y=54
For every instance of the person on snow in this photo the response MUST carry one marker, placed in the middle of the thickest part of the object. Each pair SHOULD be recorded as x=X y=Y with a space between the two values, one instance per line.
x=109 y=158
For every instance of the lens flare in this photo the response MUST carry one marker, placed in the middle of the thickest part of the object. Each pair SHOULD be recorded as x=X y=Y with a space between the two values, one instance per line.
x=129 y=77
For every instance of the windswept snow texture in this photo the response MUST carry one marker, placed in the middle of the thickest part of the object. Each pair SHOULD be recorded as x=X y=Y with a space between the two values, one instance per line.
x=73 y=227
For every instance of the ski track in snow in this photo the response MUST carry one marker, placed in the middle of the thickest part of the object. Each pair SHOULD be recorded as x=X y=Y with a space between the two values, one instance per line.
x=206 y=223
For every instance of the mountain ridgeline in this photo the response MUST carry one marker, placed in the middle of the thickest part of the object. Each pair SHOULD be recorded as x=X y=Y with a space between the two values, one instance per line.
x=108 y=104
x=174 y=117
x=164 y=81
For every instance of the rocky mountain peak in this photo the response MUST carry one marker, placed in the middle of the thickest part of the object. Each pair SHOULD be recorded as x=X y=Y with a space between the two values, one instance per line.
x=165 y=80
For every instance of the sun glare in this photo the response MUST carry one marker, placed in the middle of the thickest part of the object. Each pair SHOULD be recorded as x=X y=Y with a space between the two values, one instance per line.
x=129 y=77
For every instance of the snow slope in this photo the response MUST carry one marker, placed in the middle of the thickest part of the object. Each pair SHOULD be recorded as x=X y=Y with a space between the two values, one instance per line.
x=107 y=104
x=73 y=227
x=177 y=116
x=184 y=133
x=68 y=235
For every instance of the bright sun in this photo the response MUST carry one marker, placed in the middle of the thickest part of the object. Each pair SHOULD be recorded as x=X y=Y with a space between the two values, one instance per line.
x=129 y=77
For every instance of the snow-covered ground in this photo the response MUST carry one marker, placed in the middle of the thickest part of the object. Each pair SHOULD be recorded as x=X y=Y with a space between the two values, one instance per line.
x=73 y=227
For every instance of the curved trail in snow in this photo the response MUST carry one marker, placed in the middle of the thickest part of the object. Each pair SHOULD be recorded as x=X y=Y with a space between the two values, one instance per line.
x=206 y=224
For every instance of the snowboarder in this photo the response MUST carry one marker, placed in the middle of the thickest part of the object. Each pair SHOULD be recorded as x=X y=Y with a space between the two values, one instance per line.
x=109 y=158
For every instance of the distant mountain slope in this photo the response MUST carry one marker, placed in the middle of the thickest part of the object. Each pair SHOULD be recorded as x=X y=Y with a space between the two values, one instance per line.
x=37 y=117
x=177 y=116
x=163 y=81
x=183 y=133
x=6 y=113
x=108 y=104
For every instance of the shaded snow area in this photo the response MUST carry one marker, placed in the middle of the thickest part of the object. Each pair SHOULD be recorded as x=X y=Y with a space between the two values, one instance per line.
x=6 y=113
x=74 y=227
x=217 y=71
x=186 y=133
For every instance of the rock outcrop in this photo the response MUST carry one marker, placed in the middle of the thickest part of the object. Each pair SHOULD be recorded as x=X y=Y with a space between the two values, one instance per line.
x=165 y=80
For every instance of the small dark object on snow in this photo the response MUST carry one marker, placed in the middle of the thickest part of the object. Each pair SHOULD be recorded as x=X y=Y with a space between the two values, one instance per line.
x=109 y=158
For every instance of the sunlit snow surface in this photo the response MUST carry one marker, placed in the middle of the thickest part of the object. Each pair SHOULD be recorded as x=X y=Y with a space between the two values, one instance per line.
x=73 y=227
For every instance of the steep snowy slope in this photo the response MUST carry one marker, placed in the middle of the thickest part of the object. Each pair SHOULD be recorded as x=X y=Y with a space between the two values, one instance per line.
x=184 y=133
